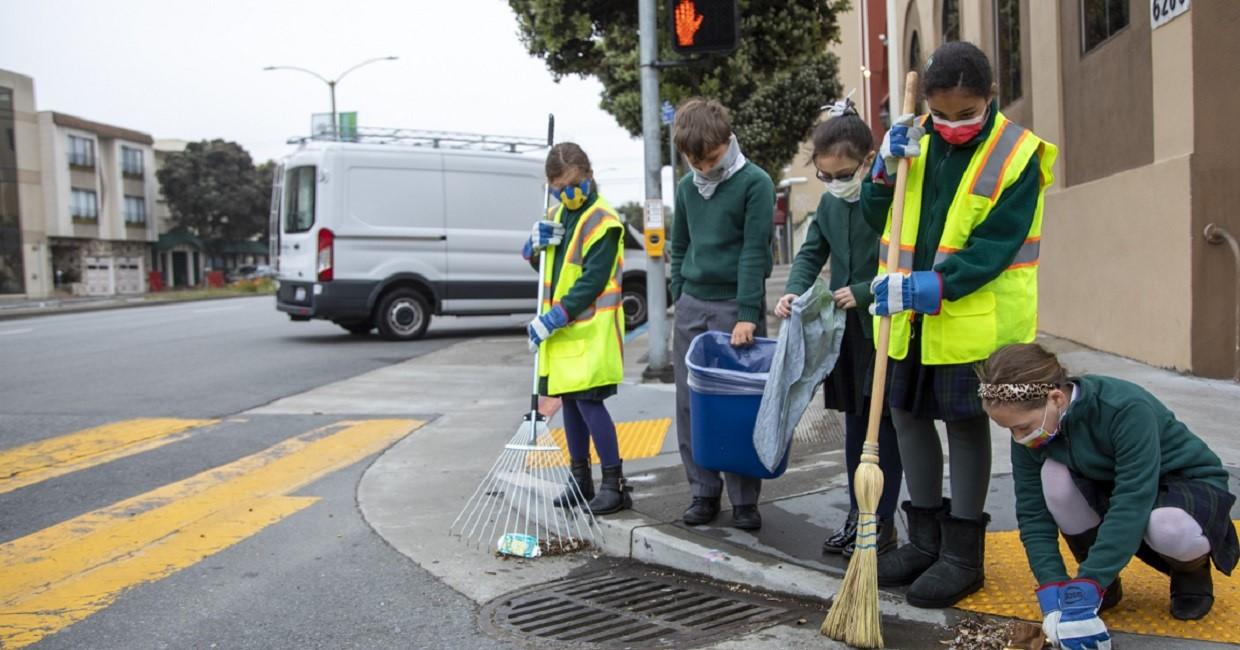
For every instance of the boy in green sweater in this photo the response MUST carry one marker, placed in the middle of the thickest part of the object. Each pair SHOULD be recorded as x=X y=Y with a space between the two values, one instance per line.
x=721 y=257
x=1104 y=463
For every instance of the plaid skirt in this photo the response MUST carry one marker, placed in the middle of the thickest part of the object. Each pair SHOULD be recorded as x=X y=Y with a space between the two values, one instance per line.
x=850 y=383
x=596 y=394
x=947 y=393
x=1209 y=506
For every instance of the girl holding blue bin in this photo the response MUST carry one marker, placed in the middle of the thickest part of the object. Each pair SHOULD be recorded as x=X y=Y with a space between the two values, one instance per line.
x=842 y=153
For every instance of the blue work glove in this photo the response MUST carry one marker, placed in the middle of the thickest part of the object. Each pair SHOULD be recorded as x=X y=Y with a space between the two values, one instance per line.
x=903 y=140
x=921 y=292
x=1079 y=627
x=543 y=234
x=1048 y=601
x=541 y=328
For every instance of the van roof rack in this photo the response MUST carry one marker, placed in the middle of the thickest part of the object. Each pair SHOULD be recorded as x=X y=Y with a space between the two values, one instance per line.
x=432 y=139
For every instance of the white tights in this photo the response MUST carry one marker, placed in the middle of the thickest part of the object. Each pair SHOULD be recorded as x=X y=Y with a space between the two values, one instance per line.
x=1171 y=531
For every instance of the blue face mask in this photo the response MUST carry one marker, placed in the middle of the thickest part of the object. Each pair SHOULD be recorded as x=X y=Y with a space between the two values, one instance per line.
x=573 y=196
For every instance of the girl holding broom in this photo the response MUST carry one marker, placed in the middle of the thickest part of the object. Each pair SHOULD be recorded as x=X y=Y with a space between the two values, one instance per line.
x=966 y=285
x=842 y=152
x=581 y=328
x=1103 y=462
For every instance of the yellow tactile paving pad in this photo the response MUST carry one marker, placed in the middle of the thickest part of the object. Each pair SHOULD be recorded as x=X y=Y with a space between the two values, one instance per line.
x=1010 y=586
x=639 y=439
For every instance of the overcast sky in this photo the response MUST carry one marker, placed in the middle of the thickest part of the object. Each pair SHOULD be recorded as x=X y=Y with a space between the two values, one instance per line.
x=193 y=70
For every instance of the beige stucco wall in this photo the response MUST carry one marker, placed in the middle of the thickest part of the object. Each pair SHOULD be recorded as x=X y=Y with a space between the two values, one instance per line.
x=35 y=265
x=803 y=198
x=1116 y=266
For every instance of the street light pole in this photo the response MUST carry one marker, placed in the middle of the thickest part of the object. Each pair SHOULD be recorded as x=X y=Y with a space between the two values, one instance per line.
x=656 y=291
x=331 y=83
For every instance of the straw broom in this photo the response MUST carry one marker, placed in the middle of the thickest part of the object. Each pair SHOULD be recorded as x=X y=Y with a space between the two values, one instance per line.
x=854 y=617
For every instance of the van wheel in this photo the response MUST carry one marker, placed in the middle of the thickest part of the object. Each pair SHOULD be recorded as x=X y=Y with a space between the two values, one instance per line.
x=358 y=328
x=633 y=299
x=403 y=315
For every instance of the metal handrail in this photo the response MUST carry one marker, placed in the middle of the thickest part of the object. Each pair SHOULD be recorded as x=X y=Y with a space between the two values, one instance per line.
x=1216 y=234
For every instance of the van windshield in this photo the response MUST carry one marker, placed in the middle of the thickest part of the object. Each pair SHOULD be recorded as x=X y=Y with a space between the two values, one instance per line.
x=299 y=199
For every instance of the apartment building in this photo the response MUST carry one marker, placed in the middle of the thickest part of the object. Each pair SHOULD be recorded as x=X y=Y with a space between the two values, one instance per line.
x=98 y=198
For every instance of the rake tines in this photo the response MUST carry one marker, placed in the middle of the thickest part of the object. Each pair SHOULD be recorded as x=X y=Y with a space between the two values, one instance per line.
x=515 y=497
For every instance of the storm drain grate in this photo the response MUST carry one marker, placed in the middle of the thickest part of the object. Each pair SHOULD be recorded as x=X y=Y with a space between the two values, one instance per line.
x=613 y=610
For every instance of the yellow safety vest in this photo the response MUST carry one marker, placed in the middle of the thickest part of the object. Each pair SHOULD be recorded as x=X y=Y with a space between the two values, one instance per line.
x=588 y=352
x=1004 y=310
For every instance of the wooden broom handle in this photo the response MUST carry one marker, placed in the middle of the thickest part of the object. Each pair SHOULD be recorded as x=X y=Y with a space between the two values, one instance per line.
x=883 y=344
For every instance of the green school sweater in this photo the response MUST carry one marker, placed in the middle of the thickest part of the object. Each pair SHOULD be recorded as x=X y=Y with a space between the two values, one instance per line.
x=595 y=267
x=838 y=232
x=993 y=244
x=721 y=247
x=1113 y=431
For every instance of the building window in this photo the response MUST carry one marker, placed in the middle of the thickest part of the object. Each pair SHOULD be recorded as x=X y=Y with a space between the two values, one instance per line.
x=1007 y=45
x=131 y=161
x=81 y=151
x=951 y=20
x=84 y=205
x=1100 y=20
x=135 y=211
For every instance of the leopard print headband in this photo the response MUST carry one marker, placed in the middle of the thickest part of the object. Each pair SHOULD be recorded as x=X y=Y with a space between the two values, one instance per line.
x=1014 y=392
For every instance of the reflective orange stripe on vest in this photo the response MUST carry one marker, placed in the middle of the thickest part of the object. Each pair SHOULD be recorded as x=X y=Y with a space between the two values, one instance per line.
x=906 y=256
x=1027 y=255
x=1002 y=149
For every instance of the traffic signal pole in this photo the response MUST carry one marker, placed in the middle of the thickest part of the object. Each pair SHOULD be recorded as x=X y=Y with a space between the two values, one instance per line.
x=656 y=282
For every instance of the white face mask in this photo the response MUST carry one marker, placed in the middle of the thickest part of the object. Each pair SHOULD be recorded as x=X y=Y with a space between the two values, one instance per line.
x=847 y=190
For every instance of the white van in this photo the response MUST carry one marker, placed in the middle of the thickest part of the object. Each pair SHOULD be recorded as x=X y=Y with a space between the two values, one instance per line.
x=387 y=235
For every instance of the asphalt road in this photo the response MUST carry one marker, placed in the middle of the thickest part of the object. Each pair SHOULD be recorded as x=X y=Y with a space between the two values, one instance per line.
x=312 y=576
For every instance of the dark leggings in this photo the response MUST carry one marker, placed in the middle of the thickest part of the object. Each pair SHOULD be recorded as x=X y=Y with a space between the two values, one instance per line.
x=585 y=419
x=888 y=460
x=968 y=451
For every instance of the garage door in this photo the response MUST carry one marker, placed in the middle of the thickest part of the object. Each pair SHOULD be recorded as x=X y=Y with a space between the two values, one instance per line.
x=129 y=275
x=99 y=276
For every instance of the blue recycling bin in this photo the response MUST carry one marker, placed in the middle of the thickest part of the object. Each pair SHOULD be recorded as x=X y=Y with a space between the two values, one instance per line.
x=725 y=391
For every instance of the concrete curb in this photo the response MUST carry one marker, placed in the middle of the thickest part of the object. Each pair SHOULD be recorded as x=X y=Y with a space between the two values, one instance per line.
x=633 y=536
x=37 y=312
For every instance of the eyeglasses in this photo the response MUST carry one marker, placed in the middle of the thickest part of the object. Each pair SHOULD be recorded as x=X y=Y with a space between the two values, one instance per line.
x=827 y=178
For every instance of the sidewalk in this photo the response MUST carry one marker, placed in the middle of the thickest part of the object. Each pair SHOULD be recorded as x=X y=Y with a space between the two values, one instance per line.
x=27 y=308
x=411 y=494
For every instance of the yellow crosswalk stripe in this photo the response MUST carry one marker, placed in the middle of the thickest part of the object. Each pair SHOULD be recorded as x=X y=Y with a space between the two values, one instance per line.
x=39 y=461
x=639 y=439
x=62 y=574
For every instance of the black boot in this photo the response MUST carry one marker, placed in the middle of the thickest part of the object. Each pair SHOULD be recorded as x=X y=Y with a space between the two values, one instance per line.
x=1080 y=544
x=843 y=537
x=1192 y=588
x=903 y=565
x=582 y=476
x=885 y=541
x=702 y=511
x=613 y=493
x=960 y=569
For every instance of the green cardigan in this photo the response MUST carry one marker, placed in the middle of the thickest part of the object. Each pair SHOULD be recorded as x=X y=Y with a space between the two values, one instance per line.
x=721 y=247
x=993 y=244
x=838 y=232
x=1118 y=432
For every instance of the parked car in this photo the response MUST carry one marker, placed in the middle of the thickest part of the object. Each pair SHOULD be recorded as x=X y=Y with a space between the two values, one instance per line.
x=387 y=236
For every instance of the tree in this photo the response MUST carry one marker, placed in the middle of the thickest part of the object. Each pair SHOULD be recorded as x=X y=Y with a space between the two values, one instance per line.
x=774 y=83
x=213 y=189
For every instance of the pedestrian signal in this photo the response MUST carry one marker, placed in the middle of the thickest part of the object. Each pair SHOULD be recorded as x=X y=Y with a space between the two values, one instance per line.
x=703 y=26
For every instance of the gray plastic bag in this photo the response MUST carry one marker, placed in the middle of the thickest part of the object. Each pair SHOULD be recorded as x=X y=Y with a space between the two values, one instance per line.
x=809 y=345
